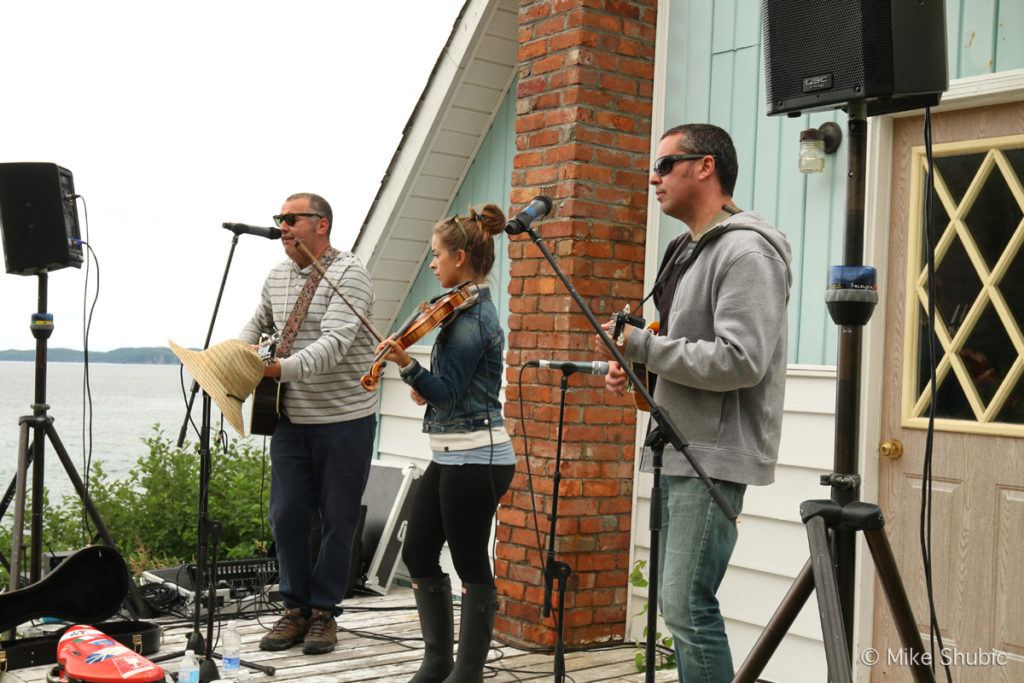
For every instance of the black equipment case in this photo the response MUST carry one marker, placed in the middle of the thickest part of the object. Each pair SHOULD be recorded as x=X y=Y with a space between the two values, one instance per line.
x=86 y=588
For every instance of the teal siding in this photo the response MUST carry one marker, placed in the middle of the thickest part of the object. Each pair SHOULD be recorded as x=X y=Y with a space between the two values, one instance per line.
x=720 y=79
x=1010 y=27
x=723 y=83
x=975 y=37
x=489 y=180
x=983 y=36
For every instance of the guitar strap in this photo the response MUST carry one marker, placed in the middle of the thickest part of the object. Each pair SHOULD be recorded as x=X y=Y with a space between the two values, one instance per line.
x=678 y=260
x=295 y=320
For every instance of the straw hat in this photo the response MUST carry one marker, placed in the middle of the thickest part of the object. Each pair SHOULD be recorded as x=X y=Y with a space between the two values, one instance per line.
x=228 y=372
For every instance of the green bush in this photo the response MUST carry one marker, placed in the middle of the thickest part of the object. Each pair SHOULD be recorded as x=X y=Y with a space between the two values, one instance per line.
x=152 y=514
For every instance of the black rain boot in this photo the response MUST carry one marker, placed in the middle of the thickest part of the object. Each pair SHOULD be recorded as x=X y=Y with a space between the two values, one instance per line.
x=475 y=628
x=434 y=606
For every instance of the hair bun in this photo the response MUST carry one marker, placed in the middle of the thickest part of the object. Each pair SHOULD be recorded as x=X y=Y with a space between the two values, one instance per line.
x=491 y=218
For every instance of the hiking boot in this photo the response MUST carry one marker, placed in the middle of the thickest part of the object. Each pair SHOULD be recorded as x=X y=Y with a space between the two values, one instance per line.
x=288 y=630
x=322 y=634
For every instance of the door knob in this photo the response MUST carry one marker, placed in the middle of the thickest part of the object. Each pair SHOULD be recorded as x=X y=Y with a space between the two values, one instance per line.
x=893 y=448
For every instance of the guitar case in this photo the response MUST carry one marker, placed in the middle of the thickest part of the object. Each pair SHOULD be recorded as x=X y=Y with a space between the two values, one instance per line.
x=88 y=655
x=88 y=587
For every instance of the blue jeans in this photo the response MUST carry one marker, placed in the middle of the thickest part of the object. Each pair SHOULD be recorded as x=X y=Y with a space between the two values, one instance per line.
x=317 y=468
x=695 y=546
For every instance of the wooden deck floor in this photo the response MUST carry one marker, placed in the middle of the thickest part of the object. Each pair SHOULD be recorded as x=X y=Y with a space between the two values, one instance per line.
x=378 y=640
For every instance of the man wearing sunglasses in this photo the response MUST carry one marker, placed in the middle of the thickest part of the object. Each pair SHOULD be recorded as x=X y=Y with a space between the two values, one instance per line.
x=720 y=358
x=321 y=449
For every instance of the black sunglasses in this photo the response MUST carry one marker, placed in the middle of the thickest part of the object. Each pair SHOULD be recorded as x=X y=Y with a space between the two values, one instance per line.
x=664 y=165
x=291 y=218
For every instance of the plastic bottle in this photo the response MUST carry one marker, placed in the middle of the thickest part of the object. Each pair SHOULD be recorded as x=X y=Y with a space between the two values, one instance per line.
x=231 y=652
x=188 y=668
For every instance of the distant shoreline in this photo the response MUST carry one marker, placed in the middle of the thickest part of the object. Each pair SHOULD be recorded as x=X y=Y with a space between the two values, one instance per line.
x=139 y=355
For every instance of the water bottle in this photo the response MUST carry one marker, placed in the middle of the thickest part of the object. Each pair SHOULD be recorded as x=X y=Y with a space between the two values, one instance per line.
x=232 y=651
x=188 y=668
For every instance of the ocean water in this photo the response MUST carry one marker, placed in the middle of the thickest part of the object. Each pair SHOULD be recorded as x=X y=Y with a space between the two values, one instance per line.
x=127 y=401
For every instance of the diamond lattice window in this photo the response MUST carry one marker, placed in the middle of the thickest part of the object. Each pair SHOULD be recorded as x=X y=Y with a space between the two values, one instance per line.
x=978 y=228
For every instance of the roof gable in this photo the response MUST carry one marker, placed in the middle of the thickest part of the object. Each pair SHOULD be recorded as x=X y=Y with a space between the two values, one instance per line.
x=440 y=141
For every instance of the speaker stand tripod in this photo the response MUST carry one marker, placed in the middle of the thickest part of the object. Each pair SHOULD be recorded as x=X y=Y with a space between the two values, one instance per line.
x=32 y=454
x=830 y=569
x=819 y=516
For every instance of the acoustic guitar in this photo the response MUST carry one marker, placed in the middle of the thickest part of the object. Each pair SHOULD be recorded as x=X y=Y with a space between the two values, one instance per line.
x=266 y=400
x=623 y=318
x=648 y=378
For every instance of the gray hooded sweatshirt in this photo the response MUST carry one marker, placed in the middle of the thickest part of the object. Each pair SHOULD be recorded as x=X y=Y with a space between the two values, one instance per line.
x=721 y=364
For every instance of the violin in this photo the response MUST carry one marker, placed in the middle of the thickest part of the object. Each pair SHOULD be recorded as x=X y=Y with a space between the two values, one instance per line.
x=427 y=316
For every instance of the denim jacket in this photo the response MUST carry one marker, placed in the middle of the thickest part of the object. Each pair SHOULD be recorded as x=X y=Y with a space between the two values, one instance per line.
x=463 y=385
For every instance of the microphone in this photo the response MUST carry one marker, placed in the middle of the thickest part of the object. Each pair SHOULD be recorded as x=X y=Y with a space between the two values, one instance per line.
x=243 y=229
x=537 y=208
x=597 y=367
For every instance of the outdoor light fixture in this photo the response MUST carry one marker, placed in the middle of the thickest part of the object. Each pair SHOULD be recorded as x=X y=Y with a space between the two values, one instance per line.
x=815 y=143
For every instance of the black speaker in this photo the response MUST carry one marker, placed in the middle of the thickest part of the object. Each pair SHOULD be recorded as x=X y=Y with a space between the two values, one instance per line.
x=821 y=54
x=39 y=218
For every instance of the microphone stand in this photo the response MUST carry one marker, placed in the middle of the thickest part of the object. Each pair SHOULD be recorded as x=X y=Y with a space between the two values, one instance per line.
x=206 y=344
x=207 y=539
x=664 y=431
x=208 y=529
x=555 y=570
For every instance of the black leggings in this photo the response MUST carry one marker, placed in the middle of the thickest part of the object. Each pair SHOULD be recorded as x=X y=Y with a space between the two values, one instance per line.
x=455 y=503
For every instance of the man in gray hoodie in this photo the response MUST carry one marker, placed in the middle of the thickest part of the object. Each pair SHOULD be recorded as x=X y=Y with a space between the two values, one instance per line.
x=720 y=359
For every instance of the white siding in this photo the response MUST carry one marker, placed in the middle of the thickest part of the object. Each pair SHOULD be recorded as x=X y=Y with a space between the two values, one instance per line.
x=400 y=440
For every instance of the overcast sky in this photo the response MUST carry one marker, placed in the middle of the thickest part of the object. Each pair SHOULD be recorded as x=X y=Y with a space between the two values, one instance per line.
x=177 y=117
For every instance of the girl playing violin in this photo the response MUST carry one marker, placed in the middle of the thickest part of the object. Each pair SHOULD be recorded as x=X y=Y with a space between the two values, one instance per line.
x=473 y=461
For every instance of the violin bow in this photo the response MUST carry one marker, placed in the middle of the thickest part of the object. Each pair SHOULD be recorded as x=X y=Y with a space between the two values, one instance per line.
x=323 y=272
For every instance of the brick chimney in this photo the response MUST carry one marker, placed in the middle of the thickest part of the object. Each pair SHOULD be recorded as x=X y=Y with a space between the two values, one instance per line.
x=583 y=131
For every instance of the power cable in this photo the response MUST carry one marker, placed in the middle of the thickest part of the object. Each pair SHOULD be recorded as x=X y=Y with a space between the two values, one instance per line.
x=529 y=484
x=88 y=310
x=925 y=526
